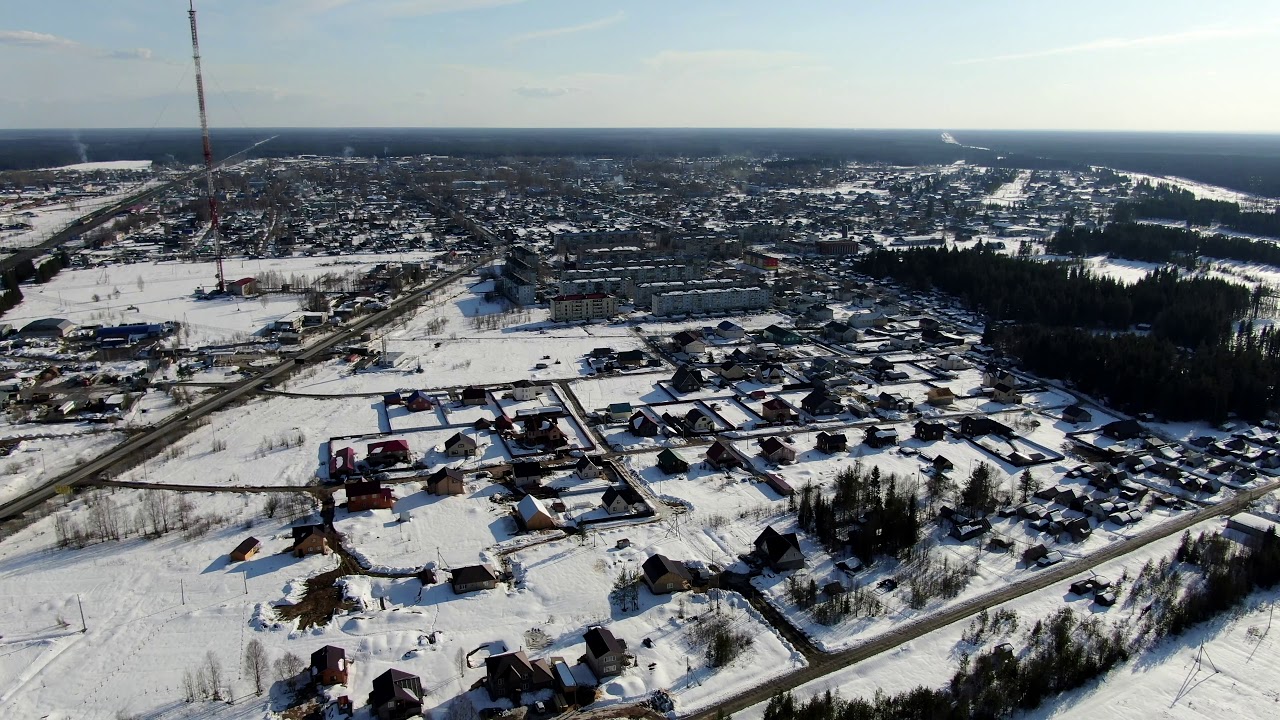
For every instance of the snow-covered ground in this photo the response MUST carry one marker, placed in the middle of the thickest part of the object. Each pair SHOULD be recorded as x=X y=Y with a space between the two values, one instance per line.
x=106 y=165
x=156 y=292
x=53 y=217
x=1010 y=193
x=1205 y=191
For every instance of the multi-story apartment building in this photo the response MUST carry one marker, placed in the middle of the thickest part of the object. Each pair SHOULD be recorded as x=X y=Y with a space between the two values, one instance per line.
x=685 y=302
x=591 y=306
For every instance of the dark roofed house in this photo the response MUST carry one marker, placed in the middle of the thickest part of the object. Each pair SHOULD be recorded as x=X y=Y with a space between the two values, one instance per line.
x=460 y=445
x=474 y=396
x=777 y=410
x=687 y=379
x=820 y=402
x=606 y=655
x=1075 y=415
x=1123 y=429
x=722 y=456
x=418 y=401
x=246 y=549
x=396 y=695
x=509 y=674
x=672 y=463
x=642 y=424
x=831 y=443
x=472 y=578
x=446 y=481
x=388 y=452
x=781 y=552
x=777 y=451
x=528 y=473
x=975 y=425
x=878 y=437
x=329 y=665
x=663 y=575
x=621 y=500
x=587 y=468
x=310 y=540
x=47 y=328
x=929 y=431
x=392 y=399
x=368 y=495
x=342 y=463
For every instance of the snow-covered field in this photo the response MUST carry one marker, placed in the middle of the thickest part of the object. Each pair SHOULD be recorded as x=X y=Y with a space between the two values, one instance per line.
x=156 y=292
x=52 y=218
x=1010 y=193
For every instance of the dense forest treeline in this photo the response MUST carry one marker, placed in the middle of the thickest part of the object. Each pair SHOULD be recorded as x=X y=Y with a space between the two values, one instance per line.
x=1063 y=322
x=1063 y=651
x=1173 y=203
x=1160 y=243
x=1189 y=312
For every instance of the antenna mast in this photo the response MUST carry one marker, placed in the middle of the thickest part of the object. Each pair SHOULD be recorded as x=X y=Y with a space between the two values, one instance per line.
x=208 y=149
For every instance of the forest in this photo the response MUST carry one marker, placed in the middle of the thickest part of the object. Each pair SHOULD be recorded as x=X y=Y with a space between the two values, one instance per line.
x=1160 y=243
x=1205 y=577
x=1171 y=203
x=1189 y=312
x=1060 y=321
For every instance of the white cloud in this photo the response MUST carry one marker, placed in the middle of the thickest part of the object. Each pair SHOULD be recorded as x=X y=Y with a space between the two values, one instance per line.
x=571 y=29
x=1167 y=40
x=34 y=39
x=134 y=54
x=410 y=8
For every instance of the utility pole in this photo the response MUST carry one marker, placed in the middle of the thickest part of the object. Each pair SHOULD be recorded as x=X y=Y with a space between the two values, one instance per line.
x=84 y=627
x=182 y=591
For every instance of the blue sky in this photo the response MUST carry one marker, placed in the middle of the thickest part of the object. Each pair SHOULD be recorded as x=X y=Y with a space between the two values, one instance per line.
x=1153 y=65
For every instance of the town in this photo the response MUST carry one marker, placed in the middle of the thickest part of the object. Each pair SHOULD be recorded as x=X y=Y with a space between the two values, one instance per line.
x=522 y=435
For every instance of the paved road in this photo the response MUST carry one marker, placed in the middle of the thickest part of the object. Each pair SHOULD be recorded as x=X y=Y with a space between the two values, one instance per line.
x=1036 y=580
x=177 y=425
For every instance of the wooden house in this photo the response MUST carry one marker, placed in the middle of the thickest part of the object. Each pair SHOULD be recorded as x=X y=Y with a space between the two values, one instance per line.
x=781 y=552
x=397 y=695
x=246 y=549
x=664 y=576
x=446 y=481
x=329 y=666
x=671 y=463
x=472 y=578
x=606 y=655
x=831 y=443
x=510 y=674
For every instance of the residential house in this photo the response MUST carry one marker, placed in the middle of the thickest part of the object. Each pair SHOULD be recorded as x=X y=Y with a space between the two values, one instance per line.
x=840 y=332
x=446 y=481
x=368 y=495
x=776 y=410
x=881 y=364
x=994 y=375
x=396 y=695
x=393 y=399
x=527 y=474
x=622 y=501
x=820 y=313
x=246 y=549
x=688 y=342
x=977 y=425
x=244 y=287
x=1006 y=394
x=698 y=422
x=534 y=515
x=831 y=443
x=730 y=330
x=1075 y=415
x=630 y=358
x=310 y=540
x=781 y=552
x=1123 y=430
x=731 y=370
x=342 y=463
x=671 y=463
x=894 y=401
x=642 y=424
x=510 y=674
x=952 y=362
x=940 y=396
x=474 y=396
x=418 y=401
x=618 y=412
x=459 y=445
x=878 y=437
x=820 y=402
x=387 y=452
x=329 y=665
x=770 y=373
x=930 y=430
x=942 y=465
x=966 y=530
x=523 y=390
x=473 y=577
x=776 y=451
x=722 y=457
x=587 y=468
x=781 y=335
x=606 y=655
x=663 y=575
x=687 y=379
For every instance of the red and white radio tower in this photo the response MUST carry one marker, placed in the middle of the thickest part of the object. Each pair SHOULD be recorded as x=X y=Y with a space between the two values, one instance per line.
x=208 y=150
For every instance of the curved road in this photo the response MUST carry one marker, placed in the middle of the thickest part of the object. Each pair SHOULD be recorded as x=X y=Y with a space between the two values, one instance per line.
x=175 y=426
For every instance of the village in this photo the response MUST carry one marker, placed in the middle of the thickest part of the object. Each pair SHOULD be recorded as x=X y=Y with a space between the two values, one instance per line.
x=547 y=443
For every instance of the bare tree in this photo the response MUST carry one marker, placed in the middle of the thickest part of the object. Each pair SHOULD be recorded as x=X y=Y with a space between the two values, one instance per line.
x=104 y=517
x=272 y=504
x=256 y=664
x=157 y=510
x=192 y=686
x=462 y=709
x=213 y=675
x=288 y=667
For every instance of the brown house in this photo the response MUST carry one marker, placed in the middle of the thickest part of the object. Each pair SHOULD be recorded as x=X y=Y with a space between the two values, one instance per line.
x=663 y=575
x=777 y=410
x=513 y=673
x=246 y=549
x=396 y=695
x=777 y=451
x=606 y=655
x=368 y=495
x=472 y=578
x=311 y=540
x=329 y=665
x=446 y=481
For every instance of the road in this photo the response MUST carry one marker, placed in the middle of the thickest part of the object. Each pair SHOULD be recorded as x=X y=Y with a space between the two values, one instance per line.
x=1037 y=580
x=175 y=426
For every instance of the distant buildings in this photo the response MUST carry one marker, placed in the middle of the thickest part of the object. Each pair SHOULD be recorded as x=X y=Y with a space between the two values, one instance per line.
x=710 y=300
x=589 y=306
